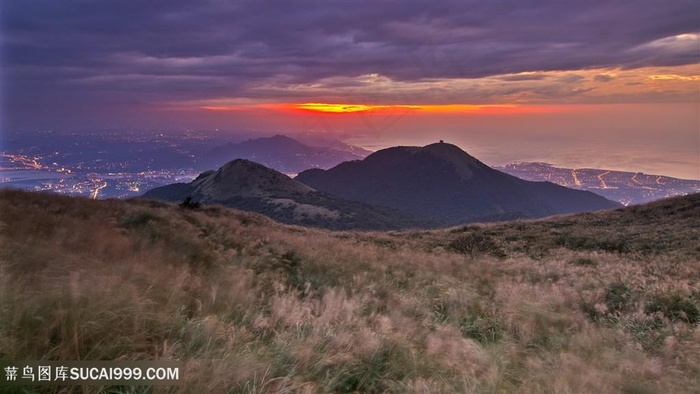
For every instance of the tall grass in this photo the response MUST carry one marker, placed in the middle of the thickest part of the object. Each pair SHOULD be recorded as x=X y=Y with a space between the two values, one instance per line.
x=249 y=305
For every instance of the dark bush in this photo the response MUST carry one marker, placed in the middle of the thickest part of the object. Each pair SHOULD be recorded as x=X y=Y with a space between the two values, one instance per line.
x=473 y=245
x=675 y=307
x=618 y=297
x=189 y=203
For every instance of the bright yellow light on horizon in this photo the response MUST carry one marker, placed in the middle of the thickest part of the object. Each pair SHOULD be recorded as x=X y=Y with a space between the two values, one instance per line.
x=441 y=108
x=334 y=108
x=340 y=108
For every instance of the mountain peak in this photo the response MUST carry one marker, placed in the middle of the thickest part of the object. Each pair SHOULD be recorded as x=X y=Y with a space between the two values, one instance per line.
x=447 y=150
x=439 y=154
x=250 y=186
x=246 y=178
x=462 y=161
x=442 y=144
x=443 y=182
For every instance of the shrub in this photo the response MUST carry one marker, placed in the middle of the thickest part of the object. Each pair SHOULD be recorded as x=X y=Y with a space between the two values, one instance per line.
x=675 y=307
x=618 y=297
x=473 y=245
x=189 y=203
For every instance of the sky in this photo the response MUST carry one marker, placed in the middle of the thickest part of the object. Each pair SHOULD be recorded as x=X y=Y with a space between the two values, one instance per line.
x=613 y=84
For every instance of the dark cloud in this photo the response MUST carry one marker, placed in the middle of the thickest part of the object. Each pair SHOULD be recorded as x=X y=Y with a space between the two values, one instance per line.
x=523 y=77
x=151 y=51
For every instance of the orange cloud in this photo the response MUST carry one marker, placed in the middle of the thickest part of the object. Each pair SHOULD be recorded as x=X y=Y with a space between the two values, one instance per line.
x=675 y=77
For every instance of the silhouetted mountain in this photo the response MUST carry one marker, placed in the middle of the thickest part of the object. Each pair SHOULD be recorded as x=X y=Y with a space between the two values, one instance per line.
x=441 y=182
x=283 y=154
x=249 y=186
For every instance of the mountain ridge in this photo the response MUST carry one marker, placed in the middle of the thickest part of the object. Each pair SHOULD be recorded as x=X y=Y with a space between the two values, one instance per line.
x=442 y=182
x=250 y=186
x=400 y=187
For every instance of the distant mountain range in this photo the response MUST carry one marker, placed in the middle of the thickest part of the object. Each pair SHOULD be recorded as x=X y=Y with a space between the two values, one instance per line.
x=435 y=185
x=625 y=187
x=283 y=154
x=250 y=186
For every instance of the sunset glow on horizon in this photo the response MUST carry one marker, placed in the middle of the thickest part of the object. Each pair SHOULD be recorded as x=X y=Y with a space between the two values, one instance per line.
x=335 y=108
x=345 y=109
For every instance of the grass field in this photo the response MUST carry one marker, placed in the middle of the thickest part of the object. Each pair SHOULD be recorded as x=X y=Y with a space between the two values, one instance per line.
x=605 y=302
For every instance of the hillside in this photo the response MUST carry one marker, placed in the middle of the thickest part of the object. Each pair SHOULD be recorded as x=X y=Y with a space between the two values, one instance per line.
x=604 y=302
x=249 y=186
x=443 y=183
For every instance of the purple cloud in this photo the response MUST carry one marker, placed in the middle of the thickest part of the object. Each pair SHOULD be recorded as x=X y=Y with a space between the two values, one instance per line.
x=73 y=55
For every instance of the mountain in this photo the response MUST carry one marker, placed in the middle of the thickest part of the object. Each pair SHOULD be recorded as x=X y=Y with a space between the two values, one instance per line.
x=441 y=182
x=250 y=186
x=284 y=154
x=625 y=187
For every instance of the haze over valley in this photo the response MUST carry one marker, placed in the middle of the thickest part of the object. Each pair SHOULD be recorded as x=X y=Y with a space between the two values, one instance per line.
x=126 y=164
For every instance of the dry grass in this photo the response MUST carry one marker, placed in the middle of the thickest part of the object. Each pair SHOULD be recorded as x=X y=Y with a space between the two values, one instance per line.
x=604 y=302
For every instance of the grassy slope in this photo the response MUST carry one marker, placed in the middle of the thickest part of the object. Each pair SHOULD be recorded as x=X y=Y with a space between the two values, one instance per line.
x=601 y=302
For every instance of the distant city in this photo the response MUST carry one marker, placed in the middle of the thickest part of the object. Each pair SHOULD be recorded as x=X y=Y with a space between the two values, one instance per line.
x=94 y=184
x=99 y=165
x=626 y=187
x=123 y=165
